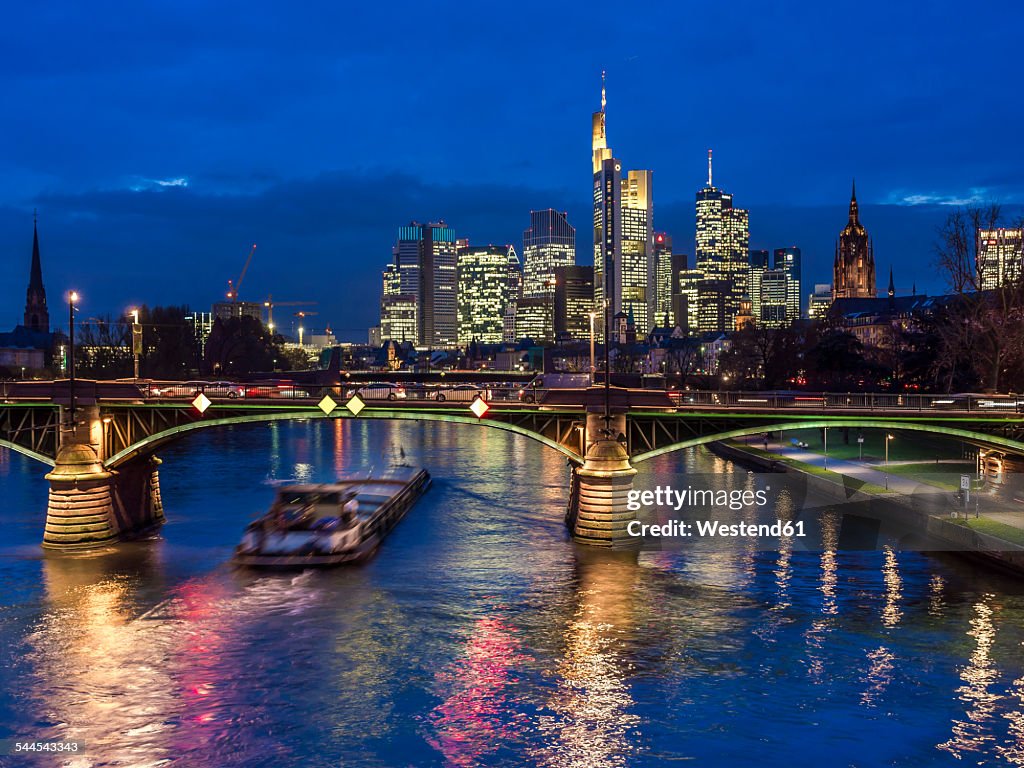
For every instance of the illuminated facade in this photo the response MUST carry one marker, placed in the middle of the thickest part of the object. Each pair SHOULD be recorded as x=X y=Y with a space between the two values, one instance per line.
x=723 y=239
x=1000 y=253
x=574 y=301
x=664 y=278
x=773 y=299
x=483 y=291
x=425 y=255
x=818 y=303
x=635 y=276
x=789 y=260
x=398 y=311
x=607 y=215
x=548 y=244
x=534 y=320
x=687 y=304
x=854 y=270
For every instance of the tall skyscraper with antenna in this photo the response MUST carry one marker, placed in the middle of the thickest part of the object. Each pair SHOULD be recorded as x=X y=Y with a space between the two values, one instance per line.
x=722 y=257
x=624 y=268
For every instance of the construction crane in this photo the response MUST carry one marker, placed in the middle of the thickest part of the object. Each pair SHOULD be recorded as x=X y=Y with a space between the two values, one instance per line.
x=270 y=304
x=234 y=288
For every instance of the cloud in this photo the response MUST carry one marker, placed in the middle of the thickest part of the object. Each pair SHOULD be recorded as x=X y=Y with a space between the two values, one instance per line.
x=974 y=196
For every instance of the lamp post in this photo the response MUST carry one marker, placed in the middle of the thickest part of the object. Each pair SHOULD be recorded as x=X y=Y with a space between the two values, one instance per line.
x=136 y=340
x=593 y=315
x=888 y=437
x=300 y=335
x=825 y=457
x=72 y=300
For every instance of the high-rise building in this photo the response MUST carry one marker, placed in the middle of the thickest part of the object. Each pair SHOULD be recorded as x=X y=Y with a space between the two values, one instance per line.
x=686 y=307
x=607 y=216
x=854 y=269
x=819 y=301
x=549 y=243
x=789 y=260
x=713 y=298
x=37 y=316
x=574 y=301
x=425 y=255
x=636 y=274
x=1000 y=257
x=723 y=238
x=534 y=320
x=773 y=299
x=226 y=310
x=759 y=259
x=665 y=278
x=483 y=291
x=398 y=310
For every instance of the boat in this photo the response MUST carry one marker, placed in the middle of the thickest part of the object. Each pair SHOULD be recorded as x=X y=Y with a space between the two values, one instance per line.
x=328 y=524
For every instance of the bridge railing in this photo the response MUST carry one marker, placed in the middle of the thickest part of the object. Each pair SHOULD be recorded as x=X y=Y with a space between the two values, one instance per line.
x=862 y=401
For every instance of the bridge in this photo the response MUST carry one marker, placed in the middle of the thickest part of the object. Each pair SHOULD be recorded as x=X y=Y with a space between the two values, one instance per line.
x=104 y=484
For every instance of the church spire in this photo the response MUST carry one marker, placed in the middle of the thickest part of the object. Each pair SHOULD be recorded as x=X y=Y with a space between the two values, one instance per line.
x=37 y=318
x=35 y=280
x=892 y=286
x=853 y=204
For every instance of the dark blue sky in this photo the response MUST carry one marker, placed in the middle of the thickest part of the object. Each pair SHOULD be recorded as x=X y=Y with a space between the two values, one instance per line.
x=159 y=140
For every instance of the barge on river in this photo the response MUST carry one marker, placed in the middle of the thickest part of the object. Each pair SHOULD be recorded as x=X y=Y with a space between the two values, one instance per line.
x=328 y=524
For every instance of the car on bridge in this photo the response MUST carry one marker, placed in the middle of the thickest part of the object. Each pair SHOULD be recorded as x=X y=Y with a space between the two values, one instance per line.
x=227 y=389
x=384 y=390
x=461 y=393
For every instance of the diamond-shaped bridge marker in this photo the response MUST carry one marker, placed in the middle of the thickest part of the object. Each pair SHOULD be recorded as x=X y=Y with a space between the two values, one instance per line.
x=479 y=407
x=355 y=404
x=327 y=405
x=201 y=403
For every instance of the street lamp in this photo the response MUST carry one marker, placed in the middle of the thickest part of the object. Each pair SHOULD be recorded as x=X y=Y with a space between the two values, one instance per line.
x=72 y=300
x=300 y=335
x=887 y=439
x=825 y=457
x=136 y=339
x=593 y=316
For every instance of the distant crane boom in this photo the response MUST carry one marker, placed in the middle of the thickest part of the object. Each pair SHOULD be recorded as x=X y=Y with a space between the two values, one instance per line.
x=234 y=288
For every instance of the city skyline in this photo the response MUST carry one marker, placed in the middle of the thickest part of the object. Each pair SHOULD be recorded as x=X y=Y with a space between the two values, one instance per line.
x=147 y=191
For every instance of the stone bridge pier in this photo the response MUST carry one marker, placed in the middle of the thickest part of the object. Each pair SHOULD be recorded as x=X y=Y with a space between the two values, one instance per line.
x=597 y=513
x=90 y=505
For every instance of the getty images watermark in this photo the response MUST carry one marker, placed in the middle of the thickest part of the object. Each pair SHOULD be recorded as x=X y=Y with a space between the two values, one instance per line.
x=666 y=498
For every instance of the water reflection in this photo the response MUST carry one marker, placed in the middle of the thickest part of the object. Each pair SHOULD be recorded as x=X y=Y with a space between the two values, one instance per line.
x=592 y=725
x=478 y=715
x=974 y=733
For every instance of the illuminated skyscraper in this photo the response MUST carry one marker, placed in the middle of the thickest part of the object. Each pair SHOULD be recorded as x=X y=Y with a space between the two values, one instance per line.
x=854 y=269
x=687 y=308
x=789 y=260
x=534 y=320
x=607 y=216
x=636 y=276
x=425 y=255
x=665 y=278
x=624 y=269
x=549 y=243
x=723 y=238
x=1000 y=253
x=398 y=311
x=483 y=291
x=574 y=301
x=773 y=295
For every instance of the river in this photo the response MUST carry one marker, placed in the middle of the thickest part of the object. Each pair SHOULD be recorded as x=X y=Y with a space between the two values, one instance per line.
x=481 y=635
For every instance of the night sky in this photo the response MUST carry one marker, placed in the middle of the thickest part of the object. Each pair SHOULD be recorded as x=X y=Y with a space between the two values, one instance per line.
x=160 y=140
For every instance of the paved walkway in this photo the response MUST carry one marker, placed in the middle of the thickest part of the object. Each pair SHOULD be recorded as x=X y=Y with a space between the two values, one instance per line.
x=1004 y=505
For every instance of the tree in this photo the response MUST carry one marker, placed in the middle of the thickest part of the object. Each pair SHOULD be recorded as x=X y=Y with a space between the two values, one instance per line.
x=170 y=349
x=243 y=345
x=984 y=325
x=103 y=348
x=764 y=357
x=836 y=362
